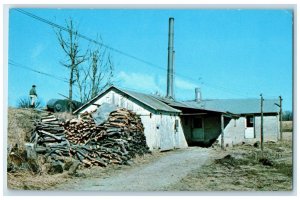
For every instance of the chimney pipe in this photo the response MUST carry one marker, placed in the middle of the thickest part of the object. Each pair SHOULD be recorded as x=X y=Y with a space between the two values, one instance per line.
x=171 y=52
x=197 y=94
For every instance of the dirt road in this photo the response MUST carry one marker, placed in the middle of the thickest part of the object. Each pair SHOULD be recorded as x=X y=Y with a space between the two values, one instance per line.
x=153 y=176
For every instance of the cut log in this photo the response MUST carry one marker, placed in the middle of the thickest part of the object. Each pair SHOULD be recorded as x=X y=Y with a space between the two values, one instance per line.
x=115 y=141
x=50 y=135
x=49 y=120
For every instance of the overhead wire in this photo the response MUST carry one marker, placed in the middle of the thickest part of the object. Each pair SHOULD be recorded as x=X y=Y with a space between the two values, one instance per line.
x=15 y=64
x=87 y=38
x=221 y=88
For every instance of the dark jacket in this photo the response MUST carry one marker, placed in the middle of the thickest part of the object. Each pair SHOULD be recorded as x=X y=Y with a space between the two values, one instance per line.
x=32 y=92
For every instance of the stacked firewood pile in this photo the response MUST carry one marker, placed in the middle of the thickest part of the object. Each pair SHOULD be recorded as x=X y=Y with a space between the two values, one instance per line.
x=117 y=140
x=48 y=133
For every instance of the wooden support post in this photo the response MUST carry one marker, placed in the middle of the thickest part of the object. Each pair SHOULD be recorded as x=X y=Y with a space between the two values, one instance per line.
x=261 y=123
x=222 y=132
x=280 y=117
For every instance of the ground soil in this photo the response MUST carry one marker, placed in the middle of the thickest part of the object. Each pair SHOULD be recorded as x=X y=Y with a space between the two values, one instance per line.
x=239 y=168
x=287 y=126
x=169 y=168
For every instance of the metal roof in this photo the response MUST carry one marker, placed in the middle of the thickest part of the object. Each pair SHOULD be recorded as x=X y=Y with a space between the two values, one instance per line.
x=236 y=106
x=150 y=101
x=170 y=102
x=146 y=99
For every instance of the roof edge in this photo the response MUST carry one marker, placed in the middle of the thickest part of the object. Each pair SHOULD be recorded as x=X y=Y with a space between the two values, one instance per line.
x=176 y=110
x=92 y=100
x=124 y=92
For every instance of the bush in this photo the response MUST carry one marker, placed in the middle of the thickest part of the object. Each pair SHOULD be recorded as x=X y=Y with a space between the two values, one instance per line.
x=24 y=102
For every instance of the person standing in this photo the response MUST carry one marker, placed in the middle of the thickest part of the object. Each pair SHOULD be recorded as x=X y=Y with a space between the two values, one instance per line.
x=33 y=96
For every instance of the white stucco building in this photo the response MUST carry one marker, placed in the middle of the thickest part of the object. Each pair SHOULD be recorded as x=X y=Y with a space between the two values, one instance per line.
x=171 y=124
x=162 y=123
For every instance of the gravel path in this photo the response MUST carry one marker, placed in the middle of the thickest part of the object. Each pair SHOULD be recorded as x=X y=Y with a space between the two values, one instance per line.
x=153 y=176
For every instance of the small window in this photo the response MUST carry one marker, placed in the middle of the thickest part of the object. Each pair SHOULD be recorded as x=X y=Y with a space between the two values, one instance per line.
x=198 y=123
x=250 y=121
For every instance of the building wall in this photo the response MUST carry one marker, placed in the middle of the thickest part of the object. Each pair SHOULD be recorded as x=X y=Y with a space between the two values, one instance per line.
x=160 y=132
x=211 y=126
x=159 y=127
x=113 y=97
x=234 y=132
x=271 y=128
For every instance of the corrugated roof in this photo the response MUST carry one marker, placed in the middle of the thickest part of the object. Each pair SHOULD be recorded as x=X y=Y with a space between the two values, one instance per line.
x=170 y=102
x=236 y=106
x=146 y=99
x=150 y=101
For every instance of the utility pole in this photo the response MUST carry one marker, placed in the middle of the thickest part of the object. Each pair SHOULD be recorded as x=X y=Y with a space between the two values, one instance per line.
x=280 y=116
x=222 y=133
x=261 y=123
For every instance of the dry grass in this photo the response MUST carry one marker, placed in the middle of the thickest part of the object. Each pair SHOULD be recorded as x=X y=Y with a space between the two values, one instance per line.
x=246 y=170
x=19 y=126
x=287 y=126
x=24 y=180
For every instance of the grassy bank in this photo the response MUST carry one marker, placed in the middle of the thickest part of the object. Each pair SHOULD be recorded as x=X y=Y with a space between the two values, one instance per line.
x=244 y=168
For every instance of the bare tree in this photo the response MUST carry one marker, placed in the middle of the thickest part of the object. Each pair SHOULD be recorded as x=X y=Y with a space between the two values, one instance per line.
x=70 y=46
x=97 y=76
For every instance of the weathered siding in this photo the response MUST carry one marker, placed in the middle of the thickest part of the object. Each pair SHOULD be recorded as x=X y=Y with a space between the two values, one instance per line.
x=180 y=140
x=186 y=123
x=271 y=128
x=159 y=127
x=117 y=99
x=234 y=132
x=160 y=132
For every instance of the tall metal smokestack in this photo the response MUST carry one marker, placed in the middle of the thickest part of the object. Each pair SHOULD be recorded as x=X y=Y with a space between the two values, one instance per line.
x=171 y=52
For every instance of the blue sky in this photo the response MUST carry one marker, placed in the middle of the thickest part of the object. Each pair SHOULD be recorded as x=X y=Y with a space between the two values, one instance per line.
x=228 y=53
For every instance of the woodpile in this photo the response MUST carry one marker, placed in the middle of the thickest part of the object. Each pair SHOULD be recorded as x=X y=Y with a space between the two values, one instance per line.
x=115 y=141
x=48 y=132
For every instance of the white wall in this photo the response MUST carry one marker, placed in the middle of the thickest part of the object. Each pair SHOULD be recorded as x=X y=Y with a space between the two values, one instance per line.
x=271 y=128
x=113 y=97
x=159 y=128
x=234 y=132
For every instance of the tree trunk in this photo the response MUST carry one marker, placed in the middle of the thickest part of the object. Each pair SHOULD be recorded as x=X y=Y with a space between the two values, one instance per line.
x=70 y=90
